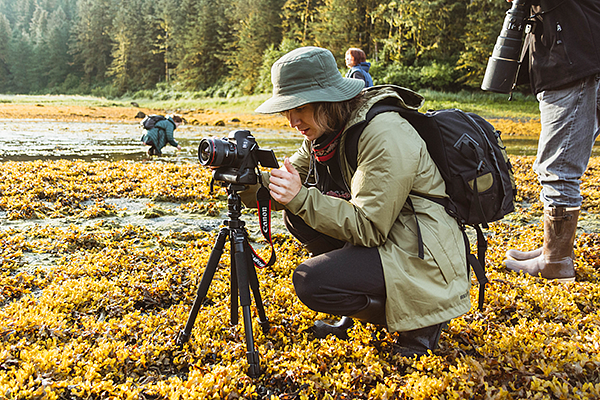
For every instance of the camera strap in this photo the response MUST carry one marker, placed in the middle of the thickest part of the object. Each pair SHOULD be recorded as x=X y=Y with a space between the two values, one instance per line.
x=263 y=199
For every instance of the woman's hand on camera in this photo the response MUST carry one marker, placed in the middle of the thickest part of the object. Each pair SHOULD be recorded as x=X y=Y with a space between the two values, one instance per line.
x=285 y=183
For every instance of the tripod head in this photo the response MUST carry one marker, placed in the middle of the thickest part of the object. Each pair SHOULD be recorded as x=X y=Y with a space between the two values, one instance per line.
x=234 y=205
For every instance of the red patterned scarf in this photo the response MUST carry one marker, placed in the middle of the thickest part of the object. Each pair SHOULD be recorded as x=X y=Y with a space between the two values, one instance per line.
x=326 y=148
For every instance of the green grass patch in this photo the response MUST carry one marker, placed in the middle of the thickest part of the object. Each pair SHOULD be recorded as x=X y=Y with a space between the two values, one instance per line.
x=64 y=100
x=490 y=105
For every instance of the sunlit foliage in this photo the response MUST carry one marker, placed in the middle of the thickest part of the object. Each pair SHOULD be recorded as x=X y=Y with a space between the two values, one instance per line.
x=112 y=47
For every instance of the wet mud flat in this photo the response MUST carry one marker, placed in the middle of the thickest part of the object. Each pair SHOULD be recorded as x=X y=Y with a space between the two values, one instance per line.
x=161 y=219
x=31 y=140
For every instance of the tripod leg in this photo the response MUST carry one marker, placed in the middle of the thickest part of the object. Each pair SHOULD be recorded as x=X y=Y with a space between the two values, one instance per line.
x=263 y=320
x=242 y=268
x=209 y=272
x=233 y=284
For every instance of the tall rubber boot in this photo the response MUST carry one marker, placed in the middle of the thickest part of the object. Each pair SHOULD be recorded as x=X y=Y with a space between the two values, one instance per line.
x=514 y=254
x=555 y=261
x=419 y=341
x=373 y=312
x=518 y=255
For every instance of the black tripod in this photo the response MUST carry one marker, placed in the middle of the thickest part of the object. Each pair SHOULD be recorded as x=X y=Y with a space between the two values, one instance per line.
x=243 y=279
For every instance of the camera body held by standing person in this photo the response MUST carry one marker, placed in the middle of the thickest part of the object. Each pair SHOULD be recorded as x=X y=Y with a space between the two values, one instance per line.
x=160 y=133
x=561 y=61
x=356 y=60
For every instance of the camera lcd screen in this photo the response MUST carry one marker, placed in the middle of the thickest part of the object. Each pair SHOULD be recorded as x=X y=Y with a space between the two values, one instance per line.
x=267 y=158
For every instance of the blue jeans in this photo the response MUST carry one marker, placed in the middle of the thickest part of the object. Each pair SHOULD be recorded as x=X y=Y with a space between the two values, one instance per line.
x=570 y=118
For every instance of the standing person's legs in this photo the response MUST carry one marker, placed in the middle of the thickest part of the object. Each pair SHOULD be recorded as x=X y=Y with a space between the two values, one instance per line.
x=570 y=124
x=570 y=118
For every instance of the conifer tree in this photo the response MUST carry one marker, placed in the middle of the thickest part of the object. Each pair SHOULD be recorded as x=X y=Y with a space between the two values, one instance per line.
x=24 y=10
x=166 y=17
x=483 y=24
x=204 y=44
x=92 y=45
x=298 y=18
x=136 y=62
x=59 y=60
x=5 y=36
x=259 y=26
x=20 y=55
x=337 y=27
x=7 y=8
x=38 y=30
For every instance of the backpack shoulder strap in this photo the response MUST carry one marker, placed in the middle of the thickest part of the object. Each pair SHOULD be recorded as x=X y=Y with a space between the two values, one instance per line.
x=354 y=132
x=478 y=262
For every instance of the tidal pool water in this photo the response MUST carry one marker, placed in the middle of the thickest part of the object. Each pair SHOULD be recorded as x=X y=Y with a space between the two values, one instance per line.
x=27 y=140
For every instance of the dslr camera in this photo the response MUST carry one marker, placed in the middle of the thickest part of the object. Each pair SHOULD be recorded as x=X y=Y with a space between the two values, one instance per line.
x=235 y=158
x=503 y=66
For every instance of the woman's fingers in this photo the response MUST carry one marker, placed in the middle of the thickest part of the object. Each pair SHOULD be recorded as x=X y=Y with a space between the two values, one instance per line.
x=285 y=183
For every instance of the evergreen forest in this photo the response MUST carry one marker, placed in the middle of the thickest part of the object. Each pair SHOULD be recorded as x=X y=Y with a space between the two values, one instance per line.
x=226 y=47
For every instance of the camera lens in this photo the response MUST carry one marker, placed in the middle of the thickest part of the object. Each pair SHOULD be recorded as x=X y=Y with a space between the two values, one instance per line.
x=206 y=152
x=216 y=152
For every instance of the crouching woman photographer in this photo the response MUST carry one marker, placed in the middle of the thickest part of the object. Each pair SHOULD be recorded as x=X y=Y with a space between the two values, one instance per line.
x=359 y=225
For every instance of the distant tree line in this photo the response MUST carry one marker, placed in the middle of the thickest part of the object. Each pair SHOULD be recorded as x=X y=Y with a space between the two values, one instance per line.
x=225 y=47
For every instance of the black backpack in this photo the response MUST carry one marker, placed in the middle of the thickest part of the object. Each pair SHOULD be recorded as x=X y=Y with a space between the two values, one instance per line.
x=150 y=120
x=472 y=160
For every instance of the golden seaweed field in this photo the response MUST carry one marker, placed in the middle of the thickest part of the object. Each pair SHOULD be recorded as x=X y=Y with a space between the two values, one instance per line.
x=101 y=318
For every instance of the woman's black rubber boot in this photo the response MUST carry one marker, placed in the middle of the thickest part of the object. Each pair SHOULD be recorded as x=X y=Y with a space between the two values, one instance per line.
x=373 y=312
x=417 y=342
x=322 y=329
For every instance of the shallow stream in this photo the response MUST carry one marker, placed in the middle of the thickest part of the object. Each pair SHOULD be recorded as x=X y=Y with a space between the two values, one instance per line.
x=25 y=140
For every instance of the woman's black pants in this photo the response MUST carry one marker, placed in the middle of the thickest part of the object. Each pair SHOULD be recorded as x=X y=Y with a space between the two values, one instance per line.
x=339 y=278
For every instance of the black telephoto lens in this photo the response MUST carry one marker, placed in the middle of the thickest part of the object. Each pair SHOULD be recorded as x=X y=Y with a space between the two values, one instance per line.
x=502 y=67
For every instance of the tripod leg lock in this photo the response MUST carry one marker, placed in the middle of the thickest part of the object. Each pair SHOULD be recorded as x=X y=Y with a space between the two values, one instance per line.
x=182 y=338
x=253 y=364
x=265 y=326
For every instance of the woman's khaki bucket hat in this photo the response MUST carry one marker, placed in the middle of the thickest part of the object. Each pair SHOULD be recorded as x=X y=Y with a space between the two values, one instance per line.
x=308 y=75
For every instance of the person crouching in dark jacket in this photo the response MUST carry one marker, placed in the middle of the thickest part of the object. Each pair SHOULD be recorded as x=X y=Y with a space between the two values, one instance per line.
x=161 y=134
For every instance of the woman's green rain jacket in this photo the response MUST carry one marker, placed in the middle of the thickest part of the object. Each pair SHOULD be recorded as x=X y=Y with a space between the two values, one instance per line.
x=392 y=161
